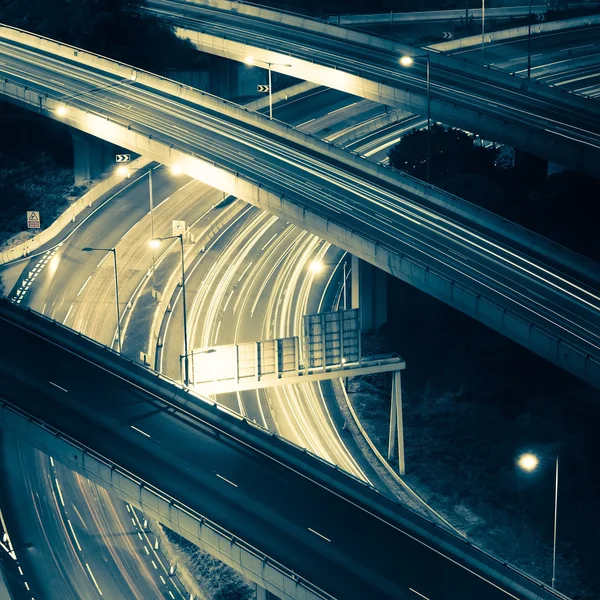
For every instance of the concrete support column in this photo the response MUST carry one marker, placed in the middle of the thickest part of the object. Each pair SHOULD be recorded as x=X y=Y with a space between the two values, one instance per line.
x=91 y=157
x=262 y=594
x=369 y=293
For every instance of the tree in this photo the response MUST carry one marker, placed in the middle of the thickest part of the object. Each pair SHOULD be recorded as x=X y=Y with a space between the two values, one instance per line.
x=452 y=151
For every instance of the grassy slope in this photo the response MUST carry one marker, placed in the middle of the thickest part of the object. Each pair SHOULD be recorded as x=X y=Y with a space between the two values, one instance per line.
x=474 y=401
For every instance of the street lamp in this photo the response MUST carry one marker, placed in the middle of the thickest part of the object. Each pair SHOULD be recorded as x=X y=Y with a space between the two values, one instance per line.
x=114 y=253
x=155 y=243
x=482 y=30
x=408 y=61
x=316 y=268
x=250 y=60
x=529 y=462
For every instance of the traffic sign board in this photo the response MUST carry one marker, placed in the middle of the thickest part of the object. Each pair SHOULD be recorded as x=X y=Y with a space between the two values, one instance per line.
x=263 y=88
x=447 y=35
x=122 y=157
x=540 y=17
x=33 y=219
x=178 y=227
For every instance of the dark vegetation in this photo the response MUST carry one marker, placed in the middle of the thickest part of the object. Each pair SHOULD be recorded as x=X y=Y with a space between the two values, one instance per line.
x=35 y=153
x=117 y=29
x=474 y=401
x=562 y=207
x=217 y=580
x=35 y=169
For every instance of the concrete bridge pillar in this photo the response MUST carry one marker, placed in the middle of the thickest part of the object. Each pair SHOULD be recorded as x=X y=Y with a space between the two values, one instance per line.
x=369 y=294
x=91 y=157
x=262 y=594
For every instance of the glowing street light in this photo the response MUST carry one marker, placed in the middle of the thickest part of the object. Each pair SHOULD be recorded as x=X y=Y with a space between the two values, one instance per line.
x=176 y=170
x=250 y=60
x=155 y=243
x=123 y=171
x=316 y=267
x=61 y=110
x=408 y=61
x=529 y=462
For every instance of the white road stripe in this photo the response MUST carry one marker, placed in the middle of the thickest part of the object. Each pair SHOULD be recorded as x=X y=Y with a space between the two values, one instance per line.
x=58 y=386
x=319 y=534
x=59 y=492
x=140 y=431
x=74 y=536
x=418 y=594
x=227 y=480
x=93 y=578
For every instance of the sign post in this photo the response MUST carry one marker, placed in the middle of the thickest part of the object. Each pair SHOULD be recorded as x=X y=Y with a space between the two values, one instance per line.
x=33 y=219
x=178 y=228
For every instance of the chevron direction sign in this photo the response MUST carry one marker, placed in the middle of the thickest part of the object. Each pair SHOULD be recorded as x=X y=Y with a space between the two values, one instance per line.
x=122 y=158
x=262 y=88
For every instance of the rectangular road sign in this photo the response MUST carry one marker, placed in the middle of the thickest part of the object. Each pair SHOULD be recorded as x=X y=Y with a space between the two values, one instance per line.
x=33 y=219
x=121 y=158
x=262 y=88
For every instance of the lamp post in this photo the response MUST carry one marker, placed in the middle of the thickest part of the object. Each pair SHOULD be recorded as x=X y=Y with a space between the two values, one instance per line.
x=317 y=266
x=114 y=253
x=482 y=30
x=155 y=243
x=125 y=172
x=529 y=43
x=250 y=60
x=408 y=61
x=529 y=462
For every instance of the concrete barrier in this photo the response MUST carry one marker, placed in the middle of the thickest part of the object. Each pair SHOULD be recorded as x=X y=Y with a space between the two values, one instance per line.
x=503 y=12
x=69 y=216
x=516 y=32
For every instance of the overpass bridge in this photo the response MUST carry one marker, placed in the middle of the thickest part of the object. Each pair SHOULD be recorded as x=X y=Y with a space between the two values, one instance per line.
x=527 y=288
x=289 y=521
x=522 y=113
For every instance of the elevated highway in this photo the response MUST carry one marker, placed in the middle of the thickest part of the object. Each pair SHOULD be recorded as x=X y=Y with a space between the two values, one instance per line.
x=524 y=286
x=521 y=113
x=294 y=524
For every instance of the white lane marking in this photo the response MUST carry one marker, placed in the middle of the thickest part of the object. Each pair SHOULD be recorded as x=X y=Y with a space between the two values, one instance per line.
x=140 y=431
x=140 y=536
x=418 y=594
x=26 y=585
x=20 y=570
x=93 y=578
x=128 y=508
x=217 y=332
x=245 y=271
x=227 y=480
x=59 y=492
x=274 y=236
x=58 y=386
x=147 y=551
x=575 y=48
x=51 y=461
x=319 y=534
x=68 y=313
x=154 y=565
x=83 y=286
x=74 y=536
x=171 y=594
x=163 y=579
x=133 y=521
